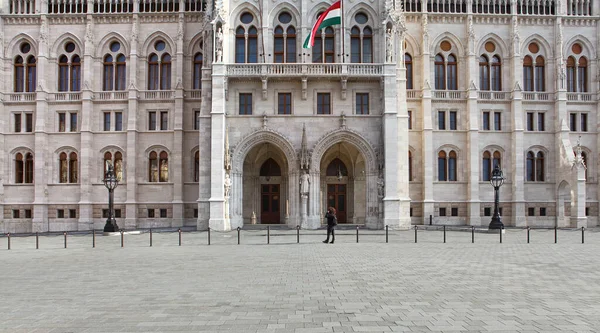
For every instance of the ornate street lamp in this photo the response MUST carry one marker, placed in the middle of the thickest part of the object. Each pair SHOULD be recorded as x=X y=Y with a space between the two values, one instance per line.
x=111 y=182
x=497 y=180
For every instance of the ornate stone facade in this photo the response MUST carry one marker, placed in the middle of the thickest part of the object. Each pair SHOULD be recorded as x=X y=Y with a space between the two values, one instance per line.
x=401 y=119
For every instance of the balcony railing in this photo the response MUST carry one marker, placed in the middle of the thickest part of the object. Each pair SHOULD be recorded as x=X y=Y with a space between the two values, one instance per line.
x=20 y=97
x=581 y=97
x=158 y=94
x=413 y=94
x=493 y=95
x=111 y=95
x=448 y=94
x=287 y=70
x=537 y=96
x=65 y=96
x=193 y=94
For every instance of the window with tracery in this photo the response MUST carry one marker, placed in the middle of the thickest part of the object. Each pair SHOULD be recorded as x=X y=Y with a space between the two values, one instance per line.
x=361 y=40
x=535 y=166
x=23 y=168
x=284 y=47
x=25 y=69
x=447 y=164
x=158 y=167
x=114 y=158
x=67 y=167
x=114 y=68
x=246 y=39
x=577 y=70
x=159 y=68
x=69 y=69
x=490 y=161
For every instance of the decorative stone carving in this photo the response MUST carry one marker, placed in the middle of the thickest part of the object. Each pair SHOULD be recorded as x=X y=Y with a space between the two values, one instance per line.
x=304 y=155
x=304 y=183
x=344 y=82
x=134 y=29
x=343 y=124
x=265 y=121
x=471 y=31
x=424 y=27
x=344 y=135
x=304 y=87
x=227 y=185
x=180 y=27
x=44 y=30
x=227 y=152
x=179 y=84
x=578 y=162
x=389 y=50
x=263 y=135
x=89 y=32
x=219 y=45
x=515 y=35
x=380 y=187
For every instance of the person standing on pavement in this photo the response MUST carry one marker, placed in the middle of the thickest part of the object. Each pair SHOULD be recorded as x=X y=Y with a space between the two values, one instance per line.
x=331 y=223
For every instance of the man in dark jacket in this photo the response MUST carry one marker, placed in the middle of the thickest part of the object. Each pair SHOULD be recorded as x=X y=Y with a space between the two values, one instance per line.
x=331 y=223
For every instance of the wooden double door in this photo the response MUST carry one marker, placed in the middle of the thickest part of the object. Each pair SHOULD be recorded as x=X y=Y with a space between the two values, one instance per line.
x=270 y=202
x=336 y=198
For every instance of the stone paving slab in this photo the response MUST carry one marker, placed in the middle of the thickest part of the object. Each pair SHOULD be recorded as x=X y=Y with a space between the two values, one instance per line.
x=308 y=287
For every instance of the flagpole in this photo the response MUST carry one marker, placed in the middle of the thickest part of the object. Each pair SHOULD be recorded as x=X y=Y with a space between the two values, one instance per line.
x=342 y=31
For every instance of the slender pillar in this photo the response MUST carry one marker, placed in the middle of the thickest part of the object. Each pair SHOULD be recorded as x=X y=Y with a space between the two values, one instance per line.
x=177 y=164
x=132 y=131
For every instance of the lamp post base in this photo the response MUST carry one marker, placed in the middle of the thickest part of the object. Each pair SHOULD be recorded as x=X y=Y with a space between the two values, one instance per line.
x=111 y=226
x=496 y=223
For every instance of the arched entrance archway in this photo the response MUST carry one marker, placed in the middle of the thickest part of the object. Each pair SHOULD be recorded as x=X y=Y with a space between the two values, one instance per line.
x=270 y=192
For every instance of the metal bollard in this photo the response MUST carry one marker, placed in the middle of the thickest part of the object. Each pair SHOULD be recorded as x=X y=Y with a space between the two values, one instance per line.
x=386 y=233
x=238 y=230
x=472 y=234
x=444 y=234
x=415 y=234
x=208 y=235
x=555 y=235
x=268 y=234
x=298 y=234
x=8 y=240
x=357 y=234
x=179 y=231
x=37 y=241
x=430 y=219
x=65 y=234
x=582 y=236
x=122 y=243
x=150 y=237
x=93 y=238
x=501 y=235
x=528 y=234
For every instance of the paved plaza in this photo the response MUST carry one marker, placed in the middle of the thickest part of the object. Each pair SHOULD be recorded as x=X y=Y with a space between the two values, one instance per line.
x=308 y=287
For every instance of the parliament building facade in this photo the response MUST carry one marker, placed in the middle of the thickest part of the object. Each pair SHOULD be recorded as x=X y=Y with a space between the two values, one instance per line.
x=214 y=115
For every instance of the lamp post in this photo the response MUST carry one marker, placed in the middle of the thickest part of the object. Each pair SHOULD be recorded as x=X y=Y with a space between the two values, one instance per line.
x=111 y=182
x=497 y=180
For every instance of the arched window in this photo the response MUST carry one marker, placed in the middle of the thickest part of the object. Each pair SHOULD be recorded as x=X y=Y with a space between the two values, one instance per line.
x=540 y=76
x=582 y=75
x=19 y=168
x=496 y=73
x=528 y=73
x=153 y=167
x=63 y=73
x=530 y=167
x=67 y=167
x=165 y=72
x=114 y=72
x=535 y=166
x=324 y=48
x=486 y=166
x=121 y=77
x=159 y=67
x=108 y=73
x=452 y=166
x=442 y=175
x=197 y=167
x=290 y=44
x=335 y=168
x=539 y=167
x=19 y=75
x=164 y=166
x=240 y=45
x=452 y=73
x=270 y=168
x=484 y=73
x=361 y=45
x=25 y=69
x=284 y=47
x=497 y=161
x=197 y=71
x=153 y=72
x=279 y=45
x=117 y=164
x=69 y=69
x=28 y=168
x=571 y=74
x=440 y=72
x=410 y=169
x=73 y=168
x=408 y=64
x=252 y=45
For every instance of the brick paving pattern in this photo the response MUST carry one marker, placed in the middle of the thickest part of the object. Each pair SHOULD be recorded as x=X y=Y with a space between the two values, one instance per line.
x=308 y=287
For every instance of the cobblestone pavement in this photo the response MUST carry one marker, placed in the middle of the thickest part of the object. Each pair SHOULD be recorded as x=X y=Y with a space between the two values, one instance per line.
x=308 y=287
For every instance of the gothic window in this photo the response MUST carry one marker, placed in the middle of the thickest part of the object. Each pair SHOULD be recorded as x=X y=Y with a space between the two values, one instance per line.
x=447 y=165
x=23 y=168
x=540 y=79
x=246 y=39
x=571 y=74
x=158 y=167
x=335 y=168
x=116 y=160
x=582 y=75
x=534 y=72
x=535 y=166
x=159 y=68
x=490 y=161
x=496 y=73
x=284 y=47
x=361 y=40
x=114 y=73
x=270 y=168
x=69 y=69
x=452 y=73
x=527 y=73
x=408 y=64
x=197 y=80
x=67 y=167
x=323 y=50
x=25 y=69
x=484 y=73
x=440 y=72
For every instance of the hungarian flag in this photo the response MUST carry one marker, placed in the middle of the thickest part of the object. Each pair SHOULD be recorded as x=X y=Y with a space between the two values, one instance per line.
x=332 y=16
